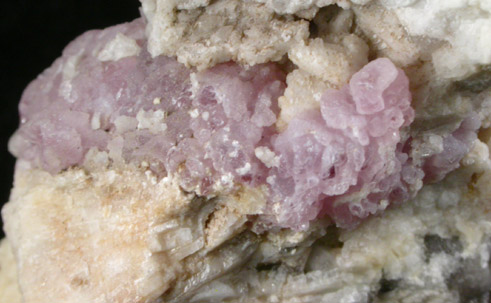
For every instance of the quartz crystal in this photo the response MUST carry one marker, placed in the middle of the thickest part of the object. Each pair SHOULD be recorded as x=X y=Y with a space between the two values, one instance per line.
x=218 y=151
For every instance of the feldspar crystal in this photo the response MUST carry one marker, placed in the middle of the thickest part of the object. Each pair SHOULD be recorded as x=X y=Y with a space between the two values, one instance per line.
x=154 y=169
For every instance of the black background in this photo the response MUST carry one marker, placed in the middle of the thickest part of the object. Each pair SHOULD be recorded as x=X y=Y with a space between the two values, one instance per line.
x=33 y=33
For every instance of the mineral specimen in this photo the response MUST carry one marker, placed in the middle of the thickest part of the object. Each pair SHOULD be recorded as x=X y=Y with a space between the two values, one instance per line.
x=350 y=146
x=210 y=124
x=262 y=151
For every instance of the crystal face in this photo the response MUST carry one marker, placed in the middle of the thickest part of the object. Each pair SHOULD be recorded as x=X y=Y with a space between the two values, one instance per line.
x=214 y=129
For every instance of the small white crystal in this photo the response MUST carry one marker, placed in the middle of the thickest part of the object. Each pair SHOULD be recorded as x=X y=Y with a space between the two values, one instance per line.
x=120 y=47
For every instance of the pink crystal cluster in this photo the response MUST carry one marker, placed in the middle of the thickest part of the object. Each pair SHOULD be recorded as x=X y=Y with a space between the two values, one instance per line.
x=351 y=146
x=140 y=109
x=346 y=160
x=76 y=103
x=234 y=111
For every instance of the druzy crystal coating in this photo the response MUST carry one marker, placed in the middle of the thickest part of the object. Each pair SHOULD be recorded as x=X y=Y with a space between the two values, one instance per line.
x=352 y=145
x=215 y=129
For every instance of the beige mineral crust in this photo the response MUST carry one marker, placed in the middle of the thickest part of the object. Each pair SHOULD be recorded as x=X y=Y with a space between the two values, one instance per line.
x=108 y=236
x=331 y=62
x=387 y=36
x=324 y=62
x=9 y=287
x=242 y=31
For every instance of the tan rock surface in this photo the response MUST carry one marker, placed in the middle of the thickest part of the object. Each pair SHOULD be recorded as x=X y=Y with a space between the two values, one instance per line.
x=93 y=237
x=9 y=286
x=242 y=31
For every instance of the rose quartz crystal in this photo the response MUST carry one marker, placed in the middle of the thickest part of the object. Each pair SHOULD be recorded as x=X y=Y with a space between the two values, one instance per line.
x=216 y=128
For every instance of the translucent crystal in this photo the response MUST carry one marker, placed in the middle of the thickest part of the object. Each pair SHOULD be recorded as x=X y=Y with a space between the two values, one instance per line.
x=347 y=160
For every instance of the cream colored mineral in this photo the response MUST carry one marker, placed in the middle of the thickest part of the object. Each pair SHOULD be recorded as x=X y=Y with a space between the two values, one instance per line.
x=245 y=32
x=9 y=286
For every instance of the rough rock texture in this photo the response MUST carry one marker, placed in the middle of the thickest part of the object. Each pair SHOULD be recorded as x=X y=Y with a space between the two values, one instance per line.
x=432 y=252
x=108 y=236
x=464 y=25
x=214 y=129
x=301 y=8
x=242 y=31
x=388 y=37
x=78 y=220
x=142 y=179
x=326 y=61
x=436 y=239
x=9 y=286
